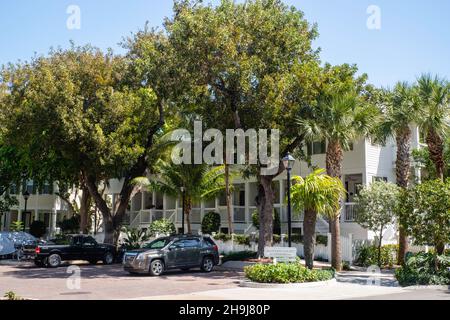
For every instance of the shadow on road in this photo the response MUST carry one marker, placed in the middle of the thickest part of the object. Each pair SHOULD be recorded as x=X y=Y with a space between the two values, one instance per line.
x=110 y=271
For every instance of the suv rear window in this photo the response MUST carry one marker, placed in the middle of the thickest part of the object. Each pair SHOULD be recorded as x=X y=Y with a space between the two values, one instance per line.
x=208 y=241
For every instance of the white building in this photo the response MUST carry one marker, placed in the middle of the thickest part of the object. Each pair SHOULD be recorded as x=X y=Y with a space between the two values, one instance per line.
x=362 y=165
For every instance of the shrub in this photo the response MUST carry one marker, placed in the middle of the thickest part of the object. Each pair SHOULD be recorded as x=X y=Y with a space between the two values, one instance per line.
x=424 y=269
x=162 y=226
x=134 y=238
x=11 y=295
x=70 y=225
x=425 y=213
x=222 y=237
x=321 y=239
x=286 y=273
x=38 y=229
x=17 y=226
x=211 y=223
x=277 y=238
x=367 y=256
x=239 y=256
x=242 y=239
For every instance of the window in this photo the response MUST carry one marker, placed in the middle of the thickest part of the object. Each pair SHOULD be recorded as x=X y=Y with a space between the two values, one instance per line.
x=191 y=243
x=89 y=242
x=47 y=188
x=317 y=147
x=376 y=179
x=13 y=189
x=157 y=244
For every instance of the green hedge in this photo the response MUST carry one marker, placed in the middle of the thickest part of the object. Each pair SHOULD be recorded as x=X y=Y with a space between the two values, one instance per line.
x=368 y=256
x=424 y=269
x=286 y=273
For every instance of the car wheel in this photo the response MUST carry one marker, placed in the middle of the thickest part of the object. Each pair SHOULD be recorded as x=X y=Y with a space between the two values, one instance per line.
x=207 y=264
x=156 y=268
x=54 y=260
x=109 y=258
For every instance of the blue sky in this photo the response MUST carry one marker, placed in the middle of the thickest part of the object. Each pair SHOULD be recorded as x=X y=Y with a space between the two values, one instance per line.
x=414 y=35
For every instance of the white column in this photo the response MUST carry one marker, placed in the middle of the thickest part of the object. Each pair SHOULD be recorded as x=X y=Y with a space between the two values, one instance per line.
x=247 y=203
x=53 y=222
x=19 y=215
x=143 y=195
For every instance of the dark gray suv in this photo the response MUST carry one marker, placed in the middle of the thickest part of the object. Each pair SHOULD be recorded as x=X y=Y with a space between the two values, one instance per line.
x=175 y=252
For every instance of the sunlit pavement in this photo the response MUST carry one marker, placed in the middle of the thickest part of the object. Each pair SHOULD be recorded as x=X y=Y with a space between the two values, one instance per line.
x=111 y=282
x=107 y=282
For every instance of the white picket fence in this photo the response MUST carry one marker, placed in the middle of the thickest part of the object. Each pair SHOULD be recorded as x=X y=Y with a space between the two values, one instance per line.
x=321 y=252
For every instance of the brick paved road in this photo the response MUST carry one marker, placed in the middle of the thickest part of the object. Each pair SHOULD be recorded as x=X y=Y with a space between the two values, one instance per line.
x=108 y=282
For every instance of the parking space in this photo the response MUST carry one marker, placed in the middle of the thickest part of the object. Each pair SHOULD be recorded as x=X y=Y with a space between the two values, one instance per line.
x=107 y=282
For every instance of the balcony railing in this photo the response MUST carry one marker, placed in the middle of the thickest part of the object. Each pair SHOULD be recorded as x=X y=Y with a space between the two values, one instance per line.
x=350 y=212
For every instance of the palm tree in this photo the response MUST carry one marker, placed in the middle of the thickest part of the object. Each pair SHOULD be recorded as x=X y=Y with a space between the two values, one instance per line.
x=339 y=119
x=400 y=109
x=317 y=193
x=199 y=182
x=434 y=121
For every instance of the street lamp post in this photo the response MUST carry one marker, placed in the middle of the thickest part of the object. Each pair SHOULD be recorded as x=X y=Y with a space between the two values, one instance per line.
x=183 y=191
x=26 y=196
x=289 y=162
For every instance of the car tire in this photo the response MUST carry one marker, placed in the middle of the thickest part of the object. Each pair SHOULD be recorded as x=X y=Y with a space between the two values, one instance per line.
x=108 y=258
x=156 y=268
x=54 y=260
x=207 y=264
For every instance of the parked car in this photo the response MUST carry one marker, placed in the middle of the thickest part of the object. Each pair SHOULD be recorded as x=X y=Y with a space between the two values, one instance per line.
x=75 y=247
x=175 y=252
x=18 y=245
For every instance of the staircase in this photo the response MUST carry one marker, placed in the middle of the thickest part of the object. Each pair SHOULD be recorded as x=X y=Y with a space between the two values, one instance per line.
x=322 y=226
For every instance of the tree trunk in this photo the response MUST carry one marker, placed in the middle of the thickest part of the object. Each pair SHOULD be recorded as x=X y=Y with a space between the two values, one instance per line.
x=187 y=213
x=380 y=242
x=334 y=158
x=440 y=248
x=85 y=202
x=336 y=251
x=403 y=170
x=228 y=197
x=309 y=236
x=436 y=149
x=266 y=198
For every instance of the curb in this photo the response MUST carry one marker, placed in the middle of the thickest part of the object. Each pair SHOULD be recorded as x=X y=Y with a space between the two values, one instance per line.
x=257 y=285
x=433 y=287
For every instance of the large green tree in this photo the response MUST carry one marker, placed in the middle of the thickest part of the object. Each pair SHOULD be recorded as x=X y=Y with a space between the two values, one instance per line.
x=425 y=213
x=400 y=111
x=377 y=208
x=79 y=109
x=316 y=194
x=244 y=61
x=434 y=120
x=342 y=116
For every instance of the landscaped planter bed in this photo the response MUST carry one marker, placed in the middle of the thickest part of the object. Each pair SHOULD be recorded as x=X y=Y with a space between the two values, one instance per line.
x=259 y=285
x=269 y=275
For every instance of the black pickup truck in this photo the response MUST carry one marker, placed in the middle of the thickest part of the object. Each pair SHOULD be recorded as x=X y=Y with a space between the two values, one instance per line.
x=75 y=247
